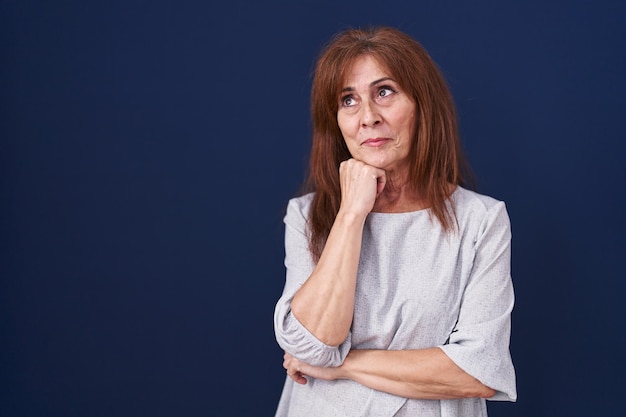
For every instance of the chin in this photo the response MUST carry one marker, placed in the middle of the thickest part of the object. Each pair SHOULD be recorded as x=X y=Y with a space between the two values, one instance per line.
x=381 y=163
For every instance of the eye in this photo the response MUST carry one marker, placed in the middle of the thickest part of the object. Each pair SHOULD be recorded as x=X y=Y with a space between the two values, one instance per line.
x=385 y=91
x=348 y=101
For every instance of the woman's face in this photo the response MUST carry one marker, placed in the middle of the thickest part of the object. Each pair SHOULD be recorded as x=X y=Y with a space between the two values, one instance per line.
x=376 y=118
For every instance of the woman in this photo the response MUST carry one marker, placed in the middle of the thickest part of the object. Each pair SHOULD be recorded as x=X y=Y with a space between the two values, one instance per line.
x=398 y=288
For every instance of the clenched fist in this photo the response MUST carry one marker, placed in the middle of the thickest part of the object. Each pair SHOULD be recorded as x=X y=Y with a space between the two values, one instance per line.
x=361 y=184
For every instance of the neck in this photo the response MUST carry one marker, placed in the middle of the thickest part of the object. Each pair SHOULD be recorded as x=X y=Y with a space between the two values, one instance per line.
x=398 y=197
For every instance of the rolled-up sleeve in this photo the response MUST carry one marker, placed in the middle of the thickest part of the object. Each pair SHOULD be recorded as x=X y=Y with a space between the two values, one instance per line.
x=291 y=335
x=479 y=343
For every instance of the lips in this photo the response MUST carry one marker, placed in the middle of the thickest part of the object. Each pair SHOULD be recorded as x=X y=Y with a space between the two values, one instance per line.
x=376 y=142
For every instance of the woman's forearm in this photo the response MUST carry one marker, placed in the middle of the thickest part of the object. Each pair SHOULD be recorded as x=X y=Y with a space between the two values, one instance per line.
x=423 y=374
x=325 y=302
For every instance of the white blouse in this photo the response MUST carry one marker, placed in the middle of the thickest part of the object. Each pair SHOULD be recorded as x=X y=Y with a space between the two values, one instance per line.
x=418 y=286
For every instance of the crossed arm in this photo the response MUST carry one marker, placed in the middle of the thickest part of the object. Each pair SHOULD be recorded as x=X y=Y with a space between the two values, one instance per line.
x=423 y=374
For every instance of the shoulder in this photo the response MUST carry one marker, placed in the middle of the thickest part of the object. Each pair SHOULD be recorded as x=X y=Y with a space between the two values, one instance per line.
x=299 y=207
x=478 y=210
x=465 y=199
x=301 y=204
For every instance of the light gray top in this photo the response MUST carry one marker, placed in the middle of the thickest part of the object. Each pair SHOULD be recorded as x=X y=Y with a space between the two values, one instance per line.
x=417 y=287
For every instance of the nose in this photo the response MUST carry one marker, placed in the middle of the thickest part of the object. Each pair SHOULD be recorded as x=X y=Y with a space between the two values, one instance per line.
x=369 y=115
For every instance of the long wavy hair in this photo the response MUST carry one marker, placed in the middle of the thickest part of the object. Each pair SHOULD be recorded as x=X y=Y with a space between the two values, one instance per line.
x=436 y=159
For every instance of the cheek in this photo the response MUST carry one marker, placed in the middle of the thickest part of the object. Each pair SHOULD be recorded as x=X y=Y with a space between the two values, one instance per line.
x=346 y=126
x=407 y=125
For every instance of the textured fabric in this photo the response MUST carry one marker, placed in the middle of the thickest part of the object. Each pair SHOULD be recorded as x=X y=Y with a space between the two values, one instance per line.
x=417 y=287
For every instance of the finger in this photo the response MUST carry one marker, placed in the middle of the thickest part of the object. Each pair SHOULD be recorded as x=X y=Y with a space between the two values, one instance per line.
x=287 y=361
x=293 y=366
x=298 y=377
x=380 y=183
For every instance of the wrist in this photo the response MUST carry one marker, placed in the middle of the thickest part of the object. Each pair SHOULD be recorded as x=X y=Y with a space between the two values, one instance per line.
x=350 y=218
x=347 y=368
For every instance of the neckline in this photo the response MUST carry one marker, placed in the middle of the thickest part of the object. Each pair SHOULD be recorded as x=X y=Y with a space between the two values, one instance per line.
x=399 y=213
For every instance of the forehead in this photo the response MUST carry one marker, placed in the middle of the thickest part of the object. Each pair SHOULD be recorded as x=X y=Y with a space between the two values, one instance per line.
x=363 y=69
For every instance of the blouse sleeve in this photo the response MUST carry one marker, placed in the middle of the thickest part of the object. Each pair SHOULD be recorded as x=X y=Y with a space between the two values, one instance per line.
x=479 y=343
x=291 y=335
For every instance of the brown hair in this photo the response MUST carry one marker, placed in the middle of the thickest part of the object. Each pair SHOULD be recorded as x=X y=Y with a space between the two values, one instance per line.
x=436 y=159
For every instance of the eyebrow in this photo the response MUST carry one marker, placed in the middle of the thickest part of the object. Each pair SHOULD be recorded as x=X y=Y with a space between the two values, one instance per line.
x=372 y=84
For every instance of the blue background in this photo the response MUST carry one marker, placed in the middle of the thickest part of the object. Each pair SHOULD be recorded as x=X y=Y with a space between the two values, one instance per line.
x=148 y=150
